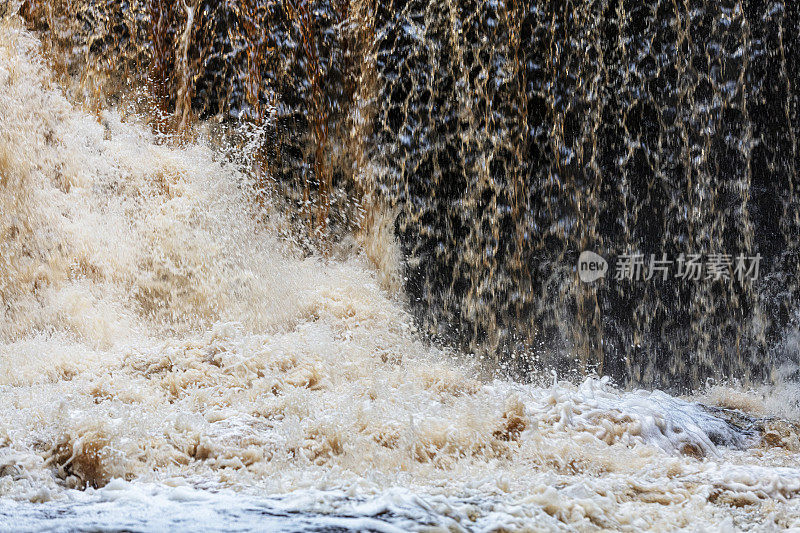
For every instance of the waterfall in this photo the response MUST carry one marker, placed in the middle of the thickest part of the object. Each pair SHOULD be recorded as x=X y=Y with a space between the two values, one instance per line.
x=398 y=266
x=507 y=138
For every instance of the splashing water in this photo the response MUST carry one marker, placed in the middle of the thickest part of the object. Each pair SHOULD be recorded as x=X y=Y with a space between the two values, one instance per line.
x=499 y=140
x=169 y=362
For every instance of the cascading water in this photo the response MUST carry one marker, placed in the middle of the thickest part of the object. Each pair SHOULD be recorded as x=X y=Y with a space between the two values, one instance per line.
x=252 y=253
x=504 y=139
x=516 y=135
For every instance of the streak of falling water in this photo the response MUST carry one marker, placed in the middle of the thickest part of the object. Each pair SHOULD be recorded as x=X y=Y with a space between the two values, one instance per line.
x=183 y=98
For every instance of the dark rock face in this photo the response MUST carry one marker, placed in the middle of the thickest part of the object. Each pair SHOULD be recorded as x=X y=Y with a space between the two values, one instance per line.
x=510 y=136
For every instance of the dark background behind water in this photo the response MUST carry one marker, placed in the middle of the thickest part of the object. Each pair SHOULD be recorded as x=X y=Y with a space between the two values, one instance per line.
x=508 y=137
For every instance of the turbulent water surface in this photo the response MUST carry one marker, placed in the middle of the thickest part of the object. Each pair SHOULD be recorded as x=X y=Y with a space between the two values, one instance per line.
x=168 y=362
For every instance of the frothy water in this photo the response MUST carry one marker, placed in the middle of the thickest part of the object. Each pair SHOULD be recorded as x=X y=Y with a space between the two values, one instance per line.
x=169 y=362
